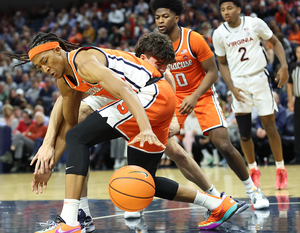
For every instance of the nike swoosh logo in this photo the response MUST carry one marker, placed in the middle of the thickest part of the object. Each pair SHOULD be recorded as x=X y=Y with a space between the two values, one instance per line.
x=69 y=167
x=68 y=231
x=145 y=173
x=218 y=216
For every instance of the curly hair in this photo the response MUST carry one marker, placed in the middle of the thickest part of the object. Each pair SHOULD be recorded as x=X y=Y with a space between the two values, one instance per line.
x=42 y=38
x=156 y=45
x=235 y=2
x=174 y=5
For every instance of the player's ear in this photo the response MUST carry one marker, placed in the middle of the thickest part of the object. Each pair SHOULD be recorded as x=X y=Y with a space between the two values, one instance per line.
x=143 y=56
x=176 y=18
x=57 y=50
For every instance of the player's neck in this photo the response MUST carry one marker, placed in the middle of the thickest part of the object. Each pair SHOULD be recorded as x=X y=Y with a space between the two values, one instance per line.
x=175 y=34
x=236 y=23
x=68 y=69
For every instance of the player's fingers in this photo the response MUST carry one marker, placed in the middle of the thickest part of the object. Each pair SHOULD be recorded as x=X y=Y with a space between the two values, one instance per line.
x=46 y=166
x=142 y=142
x=42 y=168
x=37 y=165
x=34 y=158
x=45 y=185
x=158 y=143
x=133 y=141
x=32 y=186
x=41 y=187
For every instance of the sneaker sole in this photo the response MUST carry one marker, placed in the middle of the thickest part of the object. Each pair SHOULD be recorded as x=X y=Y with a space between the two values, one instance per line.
x=90 y=229
x=242 y=208
x=231 y=211
x=262 y=206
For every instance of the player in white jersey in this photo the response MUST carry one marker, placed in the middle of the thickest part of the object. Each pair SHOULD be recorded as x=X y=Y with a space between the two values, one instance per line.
x=242 y=61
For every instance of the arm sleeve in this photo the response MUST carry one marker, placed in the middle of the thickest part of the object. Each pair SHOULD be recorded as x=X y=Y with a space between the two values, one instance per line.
x=200 y=48
x=261 y=28
x=218 y=43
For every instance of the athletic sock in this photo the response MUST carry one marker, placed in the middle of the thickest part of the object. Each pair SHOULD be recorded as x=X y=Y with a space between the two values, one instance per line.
x=69 y=212
x=249 y=185
x=253 y=165
x=213 y=191
x=84 y=205
x=280 y=164
x=208 y=201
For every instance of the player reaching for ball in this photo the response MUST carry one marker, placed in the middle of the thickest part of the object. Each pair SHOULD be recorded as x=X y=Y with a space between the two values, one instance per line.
x=141 y=109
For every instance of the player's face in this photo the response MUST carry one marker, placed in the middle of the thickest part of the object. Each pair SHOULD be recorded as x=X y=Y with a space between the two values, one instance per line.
x=154 y=62
x=165 y=20
x=230 y=13
x=50 y=62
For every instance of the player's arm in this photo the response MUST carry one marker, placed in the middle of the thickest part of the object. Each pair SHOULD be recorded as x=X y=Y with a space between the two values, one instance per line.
x=92 y=70
x=290 y=95
x=282 y=74
x=174 y=126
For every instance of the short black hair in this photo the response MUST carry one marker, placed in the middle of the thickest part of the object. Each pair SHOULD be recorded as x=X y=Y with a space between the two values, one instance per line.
x=174 y=5
x=238 y=3
x=156 y=45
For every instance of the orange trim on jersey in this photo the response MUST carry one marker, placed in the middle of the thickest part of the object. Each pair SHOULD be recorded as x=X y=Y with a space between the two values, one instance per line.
x=42 y=48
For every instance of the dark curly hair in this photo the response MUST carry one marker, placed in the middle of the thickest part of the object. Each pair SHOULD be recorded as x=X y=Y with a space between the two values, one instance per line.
x=174 y=5
x=42 y=38
x=235 y=2
x=156 y=45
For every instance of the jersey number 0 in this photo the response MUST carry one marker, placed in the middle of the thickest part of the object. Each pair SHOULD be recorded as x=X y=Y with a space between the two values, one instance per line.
x=181 y=80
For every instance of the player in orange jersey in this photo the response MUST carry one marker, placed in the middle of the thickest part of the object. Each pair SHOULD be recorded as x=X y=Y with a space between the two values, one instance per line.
x=139 y=91
x=195 y=72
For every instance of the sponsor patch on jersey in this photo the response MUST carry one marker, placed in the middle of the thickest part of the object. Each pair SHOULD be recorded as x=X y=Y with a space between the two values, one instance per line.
x=185 y=57
x=246 y=29
x=183 y=51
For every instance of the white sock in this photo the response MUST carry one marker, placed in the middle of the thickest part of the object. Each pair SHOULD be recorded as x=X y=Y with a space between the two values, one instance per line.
x=280 y=164
x=253 y=165
x=208 y=201
x=69 y=212
x=249 y=185
x=83 y=204
x=213 y=191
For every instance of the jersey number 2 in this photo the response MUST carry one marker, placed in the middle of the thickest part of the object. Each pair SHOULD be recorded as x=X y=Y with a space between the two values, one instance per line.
x=181 y=80
x=244 y=50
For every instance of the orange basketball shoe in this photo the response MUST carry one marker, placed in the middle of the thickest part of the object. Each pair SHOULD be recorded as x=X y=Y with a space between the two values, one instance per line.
x=220 y=214
x=59 y=226
x=255 y=174
x=281 y=179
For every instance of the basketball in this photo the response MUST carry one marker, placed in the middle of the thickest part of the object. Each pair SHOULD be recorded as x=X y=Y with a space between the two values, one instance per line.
x=131 y=188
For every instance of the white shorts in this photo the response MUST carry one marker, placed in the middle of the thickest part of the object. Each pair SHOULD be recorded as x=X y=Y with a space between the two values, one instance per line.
x=258 y=94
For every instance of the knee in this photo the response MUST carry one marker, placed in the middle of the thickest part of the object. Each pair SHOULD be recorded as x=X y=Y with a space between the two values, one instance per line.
x=177 y=153
x=72 y=135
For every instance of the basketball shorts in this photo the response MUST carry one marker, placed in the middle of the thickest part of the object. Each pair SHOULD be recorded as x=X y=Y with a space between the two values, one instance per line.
x=96 y=102
x=208 y=112
x=159 y=103
x=258 y=94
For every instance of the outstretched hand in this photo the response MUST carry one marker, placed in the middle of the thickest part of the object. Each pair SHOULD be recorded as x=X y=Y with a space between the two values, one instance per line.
x=45 y=159
x=40 y=181
x=237 y=92
x=146 y=136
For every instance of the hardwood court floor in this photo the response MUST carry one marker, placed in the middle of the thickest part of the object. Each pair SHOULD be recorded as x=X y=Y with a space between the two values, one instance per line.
x=21 y=209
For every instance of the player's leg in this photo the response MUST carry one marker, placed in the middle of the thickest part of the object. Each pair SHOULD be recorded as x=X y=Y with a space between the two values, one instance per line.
x=245 y=123
x=269 y=125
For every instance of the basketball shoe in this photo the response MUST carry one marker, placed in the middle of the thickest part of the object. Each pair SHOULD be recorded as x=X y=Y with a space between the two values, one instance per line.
x=255 y=174
x=137 y=224
x=243 y=206
x=258 y=199
x=60 y=226
x=86 y=222
x=220 y=214
x=130 y=215
x=281 y=179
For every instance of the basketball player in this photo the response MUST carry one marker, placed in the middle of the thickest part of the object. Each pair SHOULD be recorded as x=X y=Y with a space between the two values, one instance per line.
x=242 y=61
x=141 y=109
x=144 y=49
x=195 y=72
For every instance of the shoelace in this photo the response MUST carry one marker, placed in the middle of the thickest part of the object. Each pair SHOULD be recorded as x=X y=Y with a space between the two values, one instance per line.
x=259 y=195
x=48 y=224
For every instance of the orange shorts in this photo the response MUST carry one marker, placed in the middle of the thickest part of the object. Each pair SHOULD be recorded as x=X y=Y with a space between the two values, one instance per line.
x=159 y=102
x=208 y=113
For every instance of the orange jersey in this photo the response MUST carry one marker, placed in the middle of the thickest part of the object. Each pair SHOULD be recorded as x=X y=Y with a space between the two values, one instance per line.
x=136 y=72
x=190 y=49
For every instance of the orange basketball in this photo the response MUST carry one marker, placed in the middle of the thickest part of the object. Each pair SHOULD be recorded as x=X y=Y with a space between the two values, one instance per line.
x=131 y=188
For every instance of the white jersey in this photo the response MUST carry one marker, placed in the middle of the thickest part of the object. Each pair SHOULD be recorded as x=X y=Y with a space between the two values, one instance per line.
x=241 y=45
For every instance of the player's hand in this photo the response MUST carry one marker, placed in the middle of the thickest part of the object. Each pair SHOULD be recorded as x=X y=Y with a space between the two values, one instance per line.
x=261 y=133
x=45 y=159
x=282 y=76
x=291 y=106
x=188 y=105
x=174 y=129
x=237 y=92
x=146 y=136
x=40 y=181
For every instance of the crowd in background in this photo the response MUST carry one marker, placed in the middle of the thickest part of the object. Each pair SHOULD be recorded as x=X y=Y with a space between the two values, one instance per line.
x=118 y=24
